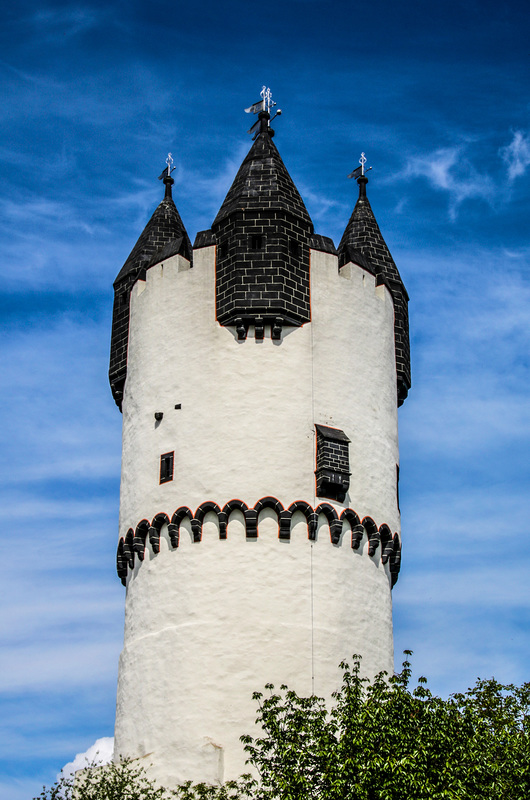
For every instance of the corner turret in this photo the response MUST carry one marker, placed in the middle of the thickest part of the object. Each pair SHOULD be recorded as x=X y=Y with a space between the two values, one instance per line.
x=163 y=236
x=362 y=243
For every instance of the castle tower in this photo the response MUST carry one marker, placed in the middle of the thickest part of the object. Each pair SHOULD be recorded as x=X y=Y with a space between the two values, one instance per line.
x=259 y=376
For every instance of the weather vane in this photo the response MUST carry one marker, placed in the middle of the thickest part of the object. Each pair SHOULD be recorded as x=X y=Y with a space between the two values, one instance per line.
x=359 y=171
x=265 y=104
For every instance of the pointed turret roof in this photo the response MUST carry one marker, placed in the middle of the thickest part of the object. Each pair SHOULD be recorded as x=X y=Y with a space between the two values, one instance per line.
x=263 y=182
x=165 y=232
x=362 y=239
x=163 y=236
x=362 y=243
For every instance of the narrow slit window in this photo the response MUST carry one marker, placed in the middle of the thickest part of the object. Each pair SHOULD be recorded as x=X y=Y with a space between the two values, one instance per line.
x=166 y=467
x=294 y=248
x=256 y=241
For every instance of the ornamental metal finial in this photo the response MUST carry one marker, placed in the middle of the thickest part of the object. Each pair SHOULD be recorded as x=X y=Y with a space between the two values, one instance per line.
x=362 y=162
x=358 y=172
x=166 y=172
x=268 y=102
x=165 y=175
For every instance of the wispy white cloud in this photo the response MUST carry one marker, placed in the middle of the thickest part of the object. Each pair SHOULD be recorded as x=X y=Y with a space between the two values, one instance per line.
x=61 y=606
x=33 y=508
x=64 y=23
x=474 y=418
x=34 y=79
x=19 y=789
x=481 y=588
x=516 y=155
x=60 y=665
x=44 y=211
x=448 y=169
x=460 y=525
x=22 y=789
x=68 y=628
x=323 y=208
x=69 y=437
x=206 y=190
x=444 y=636
x=452 y=170
x=465 y=435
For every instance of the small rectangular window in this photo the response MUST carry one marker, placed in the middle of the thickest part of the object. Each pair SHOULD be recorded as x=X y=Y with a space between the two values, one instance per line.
x=256 y=241
x=223 y=250
x=166 y=467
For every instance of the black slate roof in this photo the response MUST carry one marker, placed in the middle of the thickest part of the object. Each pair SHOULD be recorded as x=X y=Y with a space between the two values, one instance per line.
x=164 y=227
x=163 y=236
x=363 y=235
x=263 y=182
x=362 y=243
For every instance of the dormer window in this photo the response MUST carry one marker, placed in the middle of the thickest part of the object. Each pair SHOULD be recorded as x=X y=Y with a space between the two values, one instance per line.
x=333 y=463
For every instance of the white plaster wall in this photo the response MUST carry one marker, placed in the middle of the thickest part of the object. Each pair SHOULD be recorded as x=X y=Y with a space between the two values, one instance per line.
x=239 y=432
x=211 y=622
x=354 y=379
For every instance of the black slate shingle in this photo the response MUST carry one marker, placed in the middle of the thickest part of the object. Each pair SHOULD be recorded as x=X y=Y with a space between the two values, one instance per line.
x=363 y=243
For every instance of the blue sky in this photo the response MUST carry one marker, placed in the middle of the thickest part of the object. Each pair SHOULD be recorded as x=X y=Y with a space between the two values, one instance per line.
x=94 y=98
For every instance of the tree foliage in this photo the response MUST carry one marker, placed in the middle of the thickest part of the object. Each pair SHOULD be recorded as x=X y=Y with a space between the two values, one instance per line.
x=122 y=781
x=383 y=741
x=380 y=740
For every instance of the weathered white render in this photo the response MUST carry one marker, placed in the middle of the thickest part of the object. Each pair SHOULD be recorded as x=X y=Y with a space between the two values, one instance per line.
x=211 y=621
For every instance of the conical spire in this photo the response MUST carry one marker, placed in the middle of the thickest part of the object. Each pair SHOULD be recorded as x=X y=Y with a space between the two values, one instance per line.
x=363 y=243
x=263 y=233
x=262 y=181
x=164 y=228
x=363 y=234
x=163 y=236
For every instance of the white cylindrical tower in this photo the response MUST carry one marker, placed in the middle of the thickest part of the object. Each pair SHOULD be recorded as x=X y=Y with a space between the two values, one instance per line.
x=259 y=377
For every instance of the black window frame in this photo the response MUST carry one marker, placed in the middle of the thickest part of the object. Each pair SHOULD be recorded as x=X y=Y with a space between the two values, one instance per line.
x=167 y=464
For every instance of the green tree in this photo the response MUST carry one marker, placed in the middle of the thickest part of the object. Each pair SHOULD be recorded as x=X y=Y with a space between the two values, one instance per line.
x=121 y=781
x=383 y=741
x=380 y=740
